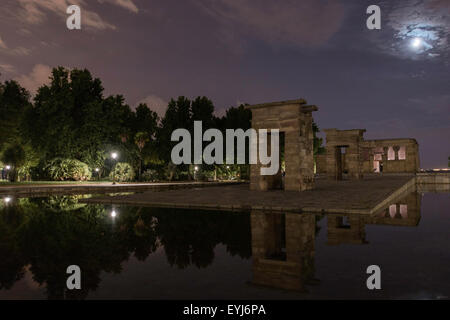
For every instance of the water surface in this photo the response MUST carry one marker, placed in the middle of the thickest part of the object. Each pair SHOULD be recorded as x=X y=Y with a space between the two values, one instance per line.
x=148 y=253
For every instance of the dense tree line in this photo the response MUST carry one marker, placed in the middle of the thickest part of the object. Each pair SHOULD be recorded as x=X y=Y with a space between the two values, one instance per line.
x=70 y=127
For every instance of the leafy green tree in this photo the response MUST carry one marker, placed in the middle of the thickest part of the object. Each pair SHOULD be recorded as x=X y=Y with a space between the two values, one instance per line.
x=68 y=169
x=141 y=139
x=202 y=110
x=14 y=101
x=71 y=119
x=237 y=118
x=318 y=147
x=14 y=155
x=122 y=172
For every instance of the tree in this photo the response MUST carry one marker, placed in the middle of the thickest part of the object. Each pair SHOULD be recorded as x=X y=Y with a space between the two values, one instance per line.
x=14 y=101
x=141 y=140
x=14 y=155
x=71 y=118
x=178 y=115
x=318 y=148
x=238 y=118
x=202 y=110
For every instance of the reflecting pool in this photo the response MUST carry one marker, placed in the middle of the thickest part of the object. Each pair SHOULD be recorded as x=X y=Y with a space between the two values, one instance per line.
x=150 y=253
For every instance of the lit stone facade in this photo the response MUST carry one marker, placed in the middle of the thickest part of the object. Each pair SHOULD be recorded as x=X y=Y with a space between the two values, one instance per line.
x=294 y=120
x=348 y=153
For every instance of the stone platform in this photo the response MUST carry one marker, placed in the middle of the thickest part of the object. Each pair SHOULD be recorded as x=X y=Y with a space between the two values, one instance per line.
x=358 y=196
x=42 y=190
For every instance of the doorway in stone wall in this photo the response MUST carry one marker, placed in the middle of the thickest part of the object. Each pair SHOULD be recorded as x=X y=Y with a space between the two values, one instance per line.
x=377 y=160
x=340 y=162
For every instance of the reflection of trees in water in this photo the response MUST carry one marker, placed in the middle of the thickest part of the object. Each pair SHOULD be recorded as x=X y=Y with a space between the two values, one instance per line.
x=189 y=237
x=12 y=261
x=49 y=236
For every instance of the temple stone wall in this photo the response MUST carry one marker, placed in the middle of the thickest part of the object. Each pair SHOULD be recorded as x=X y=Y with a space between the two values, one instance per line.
x=338 y=141
x=366 y=156
x=405 y=211
x=283 y=249
x=410 y=163
x=294 y=120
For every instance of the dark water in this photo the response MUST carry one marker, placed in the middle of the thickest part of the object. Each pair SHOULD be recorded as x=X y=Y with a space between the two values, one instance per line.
x=147 y=253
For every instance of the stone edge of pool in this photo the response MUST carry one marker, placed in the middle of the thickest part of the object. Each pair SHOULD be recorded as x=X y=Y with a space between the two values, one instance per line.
x=409 y=186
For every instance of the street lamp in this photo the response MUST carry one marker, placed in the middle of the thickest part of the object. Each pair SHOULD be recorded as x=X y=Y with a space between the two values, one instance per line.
x=195 y=172
x=97 y=170
x=8 y=167
x=114 y=156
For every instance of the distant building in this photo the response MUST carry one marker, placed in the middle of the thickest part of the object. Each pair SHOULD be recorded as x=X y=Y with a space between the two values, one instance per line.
x=348 y=153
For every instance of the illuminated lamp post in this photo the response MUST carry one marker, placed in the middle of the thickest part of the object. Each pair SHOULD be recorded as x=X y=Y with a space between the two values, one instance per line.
x=114 y=156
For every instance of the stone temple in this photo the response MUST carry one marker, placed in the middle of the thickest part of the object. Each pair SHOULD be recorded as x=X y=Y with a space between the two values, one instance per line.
x=294 y=120
x=348 y=155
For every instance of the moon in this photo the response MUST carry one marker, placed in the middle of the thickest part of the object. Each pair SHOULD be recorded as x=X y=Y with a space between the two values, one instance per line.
x=416 y=43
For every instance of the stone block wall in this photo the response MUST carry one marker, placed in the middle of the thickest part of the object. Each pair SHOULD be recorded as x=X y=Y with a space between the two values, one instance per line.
x=359 y=157
x=350 y=141
x=410 y=164
x=294 y=120
x=293 y=234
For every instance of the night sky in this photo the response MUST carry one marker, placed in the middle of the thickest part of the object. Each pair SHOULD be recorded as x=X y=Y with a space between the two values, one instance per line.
x=247 y=51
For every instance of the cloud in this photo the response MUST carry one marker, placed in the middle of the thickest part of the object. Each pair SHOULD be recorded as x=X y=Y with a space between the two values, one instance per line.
x=35 y=12
x=156 y=104
x=126 y=4
x=19 y=51
x=38 y=76
x=428 y=20
x=289 y=22
x=3 y=44
x=7 y=68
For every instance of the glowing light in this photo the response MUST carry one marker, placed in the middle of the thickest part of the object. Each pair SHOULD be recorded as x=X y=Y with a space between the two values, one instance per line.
x=97 y=169
x=8 y=167
x=114 y=214
x=114 y=155
x=196 y=168
x=7 y=200
x=416 y=43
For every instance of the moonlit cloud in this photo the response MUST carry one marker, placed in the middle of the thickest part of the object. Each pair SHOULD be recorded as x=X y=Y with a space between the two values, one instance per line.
x=126 y=4
x=37 y=77
x=427 y=20
x=286 y=22
x=35 y=12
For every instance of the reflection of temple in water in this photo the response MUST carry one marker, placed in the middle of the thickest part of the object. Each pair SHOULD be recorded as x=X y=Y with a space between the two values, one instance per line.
x=350 y=229
x=283 y=249
x=283 y=245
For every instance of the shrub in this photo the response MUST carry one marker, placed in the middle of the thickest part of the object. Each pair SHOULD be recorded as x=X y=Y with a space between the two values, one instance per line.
x=171 y=172
x=68 y=169
x=122 y=172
